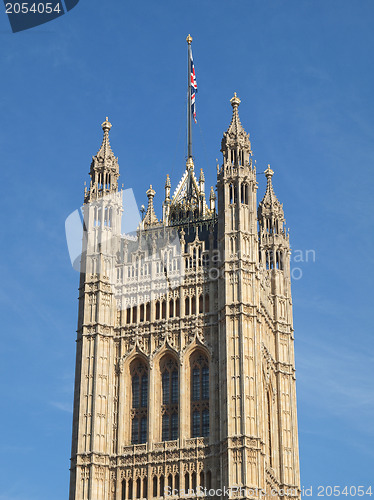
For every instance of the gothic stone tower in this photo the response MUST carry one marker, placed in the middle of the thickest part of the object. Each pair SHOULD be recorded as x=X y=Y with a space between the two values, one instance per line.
x=185 y=375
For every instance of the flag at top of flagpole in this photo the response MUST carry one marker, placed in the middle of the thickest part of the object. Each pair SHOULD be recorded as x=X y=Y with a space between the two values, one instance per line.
x=193 y=88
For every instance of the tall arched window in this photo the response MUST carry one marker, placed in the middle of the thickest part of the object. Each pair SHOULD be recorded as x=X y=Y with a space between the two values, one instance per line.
x=268 y=410
x=139 y=404
x=199 y=396
x=170 y=399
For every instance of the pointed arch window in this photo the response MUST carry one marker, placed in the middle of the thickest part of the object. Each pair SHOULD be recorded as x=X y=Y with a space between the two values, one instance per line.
x=233 y=193
x=170 y=399
x=268 y=410
x=139 y=404
x=199 y=396
x=244 y=193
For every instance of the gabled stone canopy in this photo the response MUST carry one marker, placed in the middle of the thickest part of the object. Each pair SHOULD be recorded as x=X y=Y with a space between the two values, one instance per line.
x=187 y=203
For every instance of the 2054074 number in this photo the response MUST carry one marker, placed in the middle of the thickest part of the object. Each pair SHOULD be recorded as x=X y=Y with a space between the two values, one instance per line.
x=34 y=8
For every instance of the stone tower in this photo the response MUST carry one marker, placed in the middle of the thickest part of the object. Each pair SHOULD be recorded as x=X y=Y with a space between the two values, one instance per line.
x=185 y=377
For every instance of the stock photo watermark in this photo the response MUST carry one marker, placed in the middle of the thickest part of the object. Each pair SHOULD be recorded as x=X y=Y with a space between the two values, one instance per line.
x=240 y=492
x=25 y=15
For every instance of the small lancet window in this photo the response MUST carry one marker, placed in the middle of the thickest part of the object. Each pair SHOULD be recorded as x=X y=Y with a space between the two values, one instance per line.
x=162 y=481
x=163 y=309
x=155 y=481
x=141 y=318
x=193 y=305
x=145 y=487
x=130 y=489
x=171 y=308
x=244 y=193
x=187 y=306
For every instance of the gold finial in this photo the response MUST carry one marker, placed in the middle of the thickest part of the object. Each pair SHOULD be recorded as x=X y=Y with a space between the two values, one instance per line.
x=189 y=39
x=106 y=125
x=269 y=172
x=151 y=192
x=235 y=101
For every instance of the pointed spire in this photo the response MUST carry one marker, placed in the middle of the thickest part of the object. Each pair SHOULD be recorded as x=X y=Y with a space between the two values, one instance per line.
x=202 y=176
x=235 y=125
x=212 y=199
x=150 y=217
x=166 y=203
x=167 y=187
x=270 y=198
x=105 y=151
x=273 y=238
x=236 y=137
x=270 y=207
x=104 y=170
x=202 y=182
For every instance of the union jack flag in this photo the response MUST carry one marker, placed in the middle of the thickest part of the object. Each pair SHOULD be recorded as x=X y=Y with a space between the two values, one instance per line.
x=193 y=89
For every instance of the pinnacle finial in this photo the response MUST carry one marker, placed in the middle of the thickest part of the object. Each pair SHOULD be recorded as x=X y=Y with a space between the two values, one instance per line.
x=150 y=216
x=202 y=176
x=167 y=183
x=106 y=126
x=151 y=192
x=189 y=39
x=105 y=150
x=269 y=172
x=235 y=101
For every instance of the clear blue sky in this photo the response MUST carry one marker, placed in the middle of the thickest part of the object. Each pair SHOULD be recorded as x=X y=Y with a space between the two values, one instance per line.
x=304 y=72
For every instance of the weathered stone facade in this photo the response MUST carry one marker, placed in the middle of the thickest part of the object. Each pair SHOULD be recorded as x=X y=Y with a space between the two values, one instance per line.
x=185 y=362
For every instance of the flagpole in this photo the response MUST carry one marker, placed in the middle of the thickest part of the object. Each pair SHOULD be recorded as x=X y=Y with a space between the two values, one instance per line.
x=189 y=121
